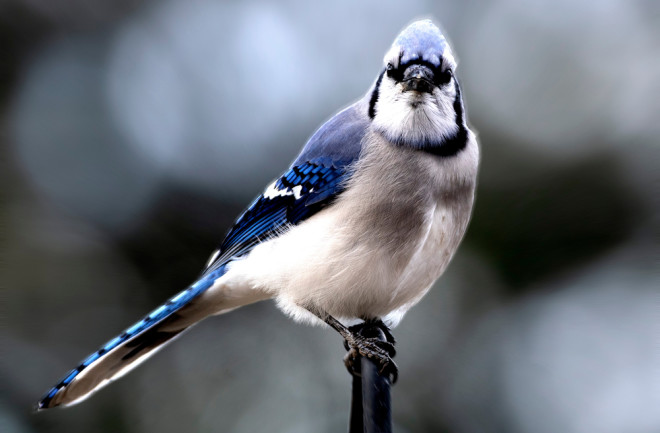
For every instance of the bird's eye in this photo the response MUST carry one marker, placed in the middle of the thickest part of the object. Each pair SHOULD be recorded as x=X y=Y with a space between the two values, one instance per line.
x=390 y=70
x=444 y=77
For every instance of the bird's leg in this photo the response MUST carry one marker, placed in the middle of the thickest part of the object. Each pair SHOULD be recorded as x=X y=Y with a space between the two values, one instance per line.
x=363 y=340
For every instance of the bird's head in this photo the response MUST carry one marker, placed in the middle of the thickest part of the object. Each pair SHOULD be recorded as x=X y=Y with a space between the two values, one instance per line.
x=416 y=101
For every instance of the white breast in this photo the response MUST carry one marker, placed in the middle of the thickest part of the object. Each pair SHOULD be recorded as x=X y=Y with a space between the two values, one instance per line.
x=379 y=248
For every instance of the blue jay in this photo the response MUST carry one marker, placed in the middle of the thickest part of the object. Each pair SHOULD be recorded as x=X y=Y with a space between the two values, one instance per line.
x=360 y=226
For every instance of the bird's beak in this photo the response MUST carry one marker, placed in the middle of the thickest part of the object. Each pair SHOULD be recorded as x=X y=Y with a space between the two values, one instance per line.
x=418 y=78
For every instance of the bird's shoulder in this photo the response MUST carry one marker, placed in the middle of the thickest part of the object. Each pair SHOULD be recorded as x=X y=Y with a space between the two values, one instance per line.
x=314 y=180
x=339 y=141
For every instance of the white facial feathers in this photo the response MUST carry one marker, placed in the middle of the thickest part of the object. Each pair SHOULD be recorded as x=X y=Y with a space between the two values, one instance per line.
x=414 y=118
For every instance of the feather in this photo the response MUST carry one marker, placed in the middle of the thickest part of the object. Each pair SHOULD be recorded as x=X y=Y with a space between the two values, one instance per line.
x=124 y=352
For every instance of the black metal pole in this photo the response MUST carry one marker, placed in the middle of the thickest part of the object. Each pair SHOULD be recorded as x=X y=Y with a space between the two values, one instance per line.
x=356 y=424
x=371 y=401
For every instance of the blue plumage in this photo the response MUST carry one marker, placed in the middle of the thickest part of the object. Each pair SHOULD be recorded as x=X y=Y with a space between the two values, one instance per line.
x=338 y=142
x=149 y=321
x=427 y=41
x=298 y=194
x=313 y=181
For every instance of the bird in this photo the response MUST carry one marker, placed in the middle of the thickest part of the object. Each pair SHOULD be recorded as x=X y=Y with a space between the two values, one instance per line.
x=358 y=228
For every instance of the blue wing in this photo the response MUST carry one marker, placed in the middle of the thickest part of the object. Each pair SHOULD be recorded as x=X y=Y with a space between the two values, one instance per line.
x=301 y=192
x=314 y=180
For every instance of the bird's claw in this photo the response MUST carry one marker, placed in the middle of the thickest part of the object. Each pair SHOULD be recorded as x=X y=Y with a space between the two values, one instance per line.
x=373 y=348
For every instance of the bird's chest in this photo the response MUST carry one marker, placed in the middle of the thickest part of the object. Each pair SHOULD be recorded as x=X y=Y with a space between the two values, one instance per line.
x=434 y=246
x=410 y=221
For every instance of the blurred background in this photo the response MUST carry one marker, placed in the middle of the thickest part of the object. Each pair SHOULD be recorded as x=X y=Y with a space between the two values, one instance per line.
x=133 y=132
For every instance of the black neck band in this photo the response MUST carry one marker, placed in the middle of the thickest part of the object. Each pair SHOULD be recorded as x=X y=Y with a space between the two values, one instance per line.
x=451 y=146
x=374 y=96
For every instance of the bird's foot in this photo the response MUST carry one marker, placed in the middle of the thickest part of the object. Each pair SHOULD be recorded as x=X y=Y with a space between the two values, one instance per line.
x=366 y=340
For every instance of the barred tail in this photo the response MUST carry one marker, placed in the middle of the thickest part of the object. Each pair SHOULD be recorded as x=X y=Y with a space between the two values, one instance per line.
x=133 y=346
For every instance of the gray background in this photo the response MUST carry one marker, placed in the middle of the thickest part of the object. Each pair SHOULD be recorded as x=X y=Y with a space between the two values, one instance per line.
x=134 y=132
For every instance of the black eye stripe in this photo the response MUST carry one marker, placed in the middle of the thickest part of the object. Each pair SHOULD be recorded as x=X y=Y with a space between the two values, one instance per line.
x=441 y=77
x=395 y=73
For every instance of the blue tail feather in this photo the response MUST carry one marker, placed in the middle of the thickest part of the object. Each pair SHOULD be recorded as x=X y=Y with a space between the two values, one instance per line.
x=155 y=317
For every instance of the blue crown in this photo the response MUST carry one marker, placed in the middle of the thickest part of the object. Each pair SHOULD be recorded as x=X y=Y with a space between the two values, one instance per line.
x=421 y=40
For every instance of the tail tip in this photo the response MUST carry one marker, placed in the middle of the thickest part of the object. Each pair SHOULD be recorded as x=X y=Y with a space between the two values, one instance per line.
x=46 y=401
x=41 y=406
